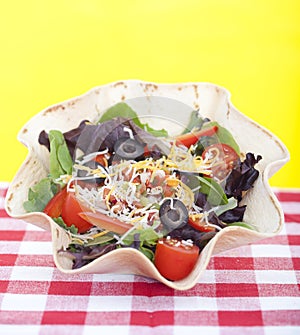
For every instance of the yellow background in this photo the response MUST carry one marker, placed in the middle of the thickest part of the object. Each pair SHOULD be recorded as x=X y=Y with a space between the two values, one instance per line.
x=54 y=50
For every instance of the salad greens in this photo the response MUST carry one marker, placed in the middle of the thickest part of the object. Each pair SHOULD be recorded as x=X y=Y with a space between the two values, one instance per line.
x=39 y=195
x=215 y=194
x=242 y=177
x=223 y=135
x=60 y=160
x=196 y=122
x=203 y=183
x=143 y=240
x=241 y=224
x=72 y=229
x=60 y=164
x=122 y=109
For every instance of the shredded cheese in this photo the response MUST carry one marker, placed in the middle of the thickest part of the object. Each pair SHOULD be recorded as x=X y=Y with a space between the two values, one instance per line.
x=130 y=190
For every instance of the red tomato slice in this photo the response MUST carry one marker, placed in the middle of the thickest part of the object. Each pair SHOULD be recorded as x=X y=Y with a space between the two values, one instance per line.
x=70 y=214
x=199 y=225
x=101 y=160
x=191 y=138
x=106 y=222
x=54 y=206
x=173 y=259
x=223 y=158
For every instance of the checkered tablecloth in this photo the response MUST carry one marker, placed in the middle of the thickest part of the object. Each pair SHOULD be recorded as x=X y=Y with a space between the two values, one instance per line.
x=252 y=290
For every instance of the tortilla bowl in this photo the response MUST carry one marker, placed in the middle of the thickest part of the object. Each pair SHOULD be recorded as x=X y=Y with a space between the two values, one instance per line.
x=263 y=209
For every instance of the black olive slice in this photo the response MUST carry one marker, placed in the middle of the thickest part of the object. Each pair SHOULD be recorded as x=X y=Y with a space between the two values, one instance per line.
x=173 y=214
x=128 y=148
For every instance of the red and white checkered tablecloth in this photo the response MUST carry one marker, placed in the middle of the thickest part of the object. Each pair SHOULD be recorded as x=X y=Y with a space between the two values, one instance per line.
x=252 y=290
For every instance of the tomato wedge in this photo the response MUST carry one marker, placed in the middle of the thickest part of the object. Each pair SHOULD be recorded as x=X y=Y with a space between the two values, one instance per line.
x=174 y=259
x=223 y=158
x=55 y=205
x=101 y=160
x=70 y=214
x=200 y=225
x=106 y=222
x=192 y=138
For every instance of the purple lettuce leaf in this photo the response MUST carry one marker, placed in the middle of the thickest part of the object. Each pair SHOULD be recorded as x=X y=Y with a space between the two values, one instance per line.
x=242 y=177
x=92 y=138
x=71 y=137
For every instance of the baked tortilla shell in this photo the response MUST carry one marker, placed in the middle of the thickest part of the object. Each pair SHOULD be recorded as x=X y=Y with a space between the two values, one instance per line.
x=263 y=208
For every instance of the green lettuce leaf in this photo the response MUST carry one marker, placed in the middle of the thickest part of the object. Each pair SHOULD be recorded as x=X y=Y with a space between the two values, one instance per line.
x=39 y=195
x=223 y=135
x=215 y=193
x=60 y=159
x=143 y=240
x=121 y=109
x=231 y=203
x=72 y=229
x=147 y=252
x=241 y=224
x=100 y=240
x=195 y=122
x=60 y=163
